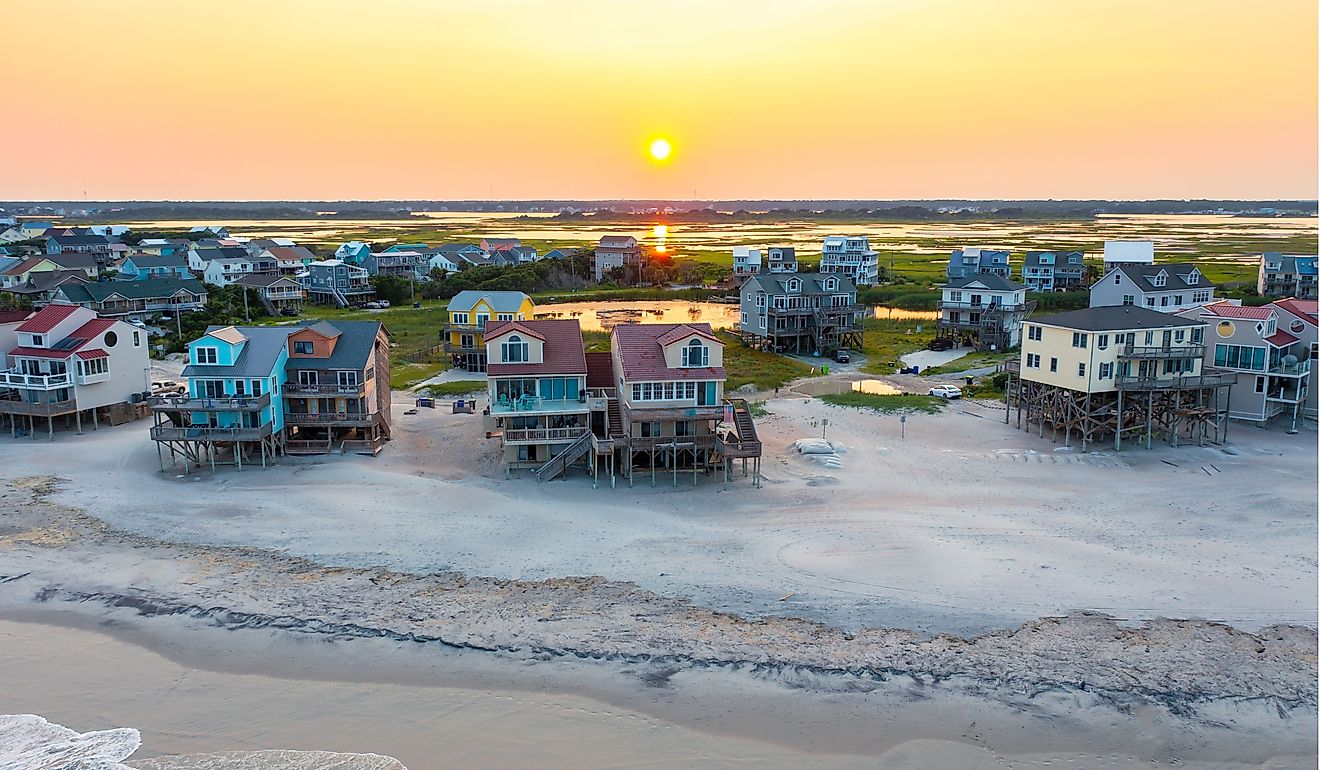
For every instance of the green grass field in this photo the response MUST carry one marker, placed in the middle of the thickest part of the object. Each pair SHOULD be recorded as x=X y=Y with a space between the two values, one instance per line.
x=744 y=365
x=886 y=404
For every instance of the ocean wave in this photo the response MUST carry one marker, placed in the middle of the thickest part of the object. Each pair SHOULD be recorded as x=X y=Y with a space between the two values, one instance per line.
x=30 y=742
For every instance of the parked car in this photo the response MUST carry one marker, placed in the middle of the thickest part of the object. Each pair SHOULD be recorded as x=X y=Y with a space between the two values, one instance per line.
x=288 y=311
x=841 y=356
x=375 y=305
x=167 y=388
x=945 y=391
x=940 y=343
x=384 y=303
x=139 y=323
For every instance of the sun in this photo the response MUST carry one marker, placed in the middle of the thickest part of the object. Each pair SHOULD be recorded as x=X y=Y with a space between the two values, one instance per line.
x=660 y=149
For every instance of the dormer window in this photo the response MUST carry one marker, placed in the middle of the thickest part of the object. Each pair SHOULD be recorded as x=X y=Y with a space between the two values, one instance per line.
x=514 y=350
x=831 y=284
x=38 y=341
x=696 y=354
x=1160 y=279
x=1194 y=277
x=793 y=285
x=206 y=355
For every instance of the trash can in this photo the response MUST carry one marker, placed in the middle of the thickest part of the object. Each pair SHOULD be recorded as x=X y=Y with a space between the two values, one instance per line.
x=824 y=369
x=969 y=381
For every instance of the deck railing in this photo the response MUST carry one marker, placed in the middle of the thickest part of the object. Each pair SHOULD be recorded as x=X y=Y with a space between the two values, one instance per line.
x=208 y=433
x=327 y=418
x=17 y=379
x=1208 y=380
x=223 y=404
x=1166 y=351
x=291 y=388
x=37 y=409
x=543 y=434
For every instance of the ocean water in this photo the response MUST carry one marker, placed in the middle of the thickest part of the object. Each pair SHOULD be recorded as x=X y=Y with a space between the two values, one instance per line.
x=30 y=742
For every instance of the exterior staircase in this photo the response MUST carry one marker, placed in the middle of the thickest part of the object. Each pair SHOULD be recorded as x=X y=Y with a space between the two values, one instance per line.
x=742 y=422
x=615 y=419
x=560 y=461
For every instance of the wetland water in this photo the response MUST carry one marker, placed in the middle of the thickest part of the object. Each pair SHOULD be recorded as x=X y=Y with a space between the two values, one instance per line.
x=1221 y=236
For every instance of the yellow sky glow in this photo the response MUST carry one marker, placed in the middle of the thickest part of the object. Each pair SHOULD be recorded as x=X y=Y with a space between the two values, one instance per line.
x=339 y=99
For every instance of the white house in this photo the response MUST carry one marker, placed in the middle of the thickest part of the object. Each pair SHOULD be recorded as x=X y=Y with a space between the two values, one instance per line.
x=69 y=362
x=852 y=256
x=1128 y=253
x=1168 y=288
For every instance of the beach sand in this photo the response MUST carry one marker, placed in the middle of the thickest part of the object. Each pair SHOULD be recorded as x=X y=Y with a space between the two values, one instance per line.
x=965 y=588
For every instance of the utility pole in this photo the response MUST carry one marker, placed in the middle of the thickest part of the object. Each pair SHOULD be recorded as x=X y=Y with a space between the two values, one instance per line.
x=246 y=318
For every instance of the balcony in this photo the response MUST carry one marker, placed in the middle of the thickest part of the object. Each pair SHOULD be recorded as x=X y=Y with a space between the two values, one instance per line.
x=1172 y=351
x=356 y=419
x=296 y=388
x=1299 y=369
x=525 y=435
x=1210 y=379
x=451 y=347
x=38 y=409
x=208 y=433
x=671 y=411
x=463 y=328
x=983 y=307
x=17 y=379
x=537 y=405
x=223 y=404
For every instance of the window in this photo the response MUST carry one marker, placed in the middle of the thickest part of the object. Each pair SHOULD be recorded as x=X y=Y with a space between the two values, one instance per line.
x=1129 y=300
x=1054 y=364
x=1180 y=335
x=1177 y=299
x=93 y=366
x=303 y=347
x=371 y=374
x=348 y=379
x=1079 y=339
x=206 y=355
x=504 y=316
x=514 y=350
x=1260 y=384
x=1200 y=297
x=459 y=319
x=742 y=320
x=1033 y=333
x=1197 y=336
x=696 y=354
x=1102 y=342
x=137 y=339
x=955 y=296
x=1033 y=361
x=38 y=341
x=1150 y=302
x=1081 y=370
x=1150 y=338
x=1159 y=279
x=256 y=388
x=1118 y=277
x=1240 y=357
x=1164 y=301
x=1106 y=371
x=308 y=377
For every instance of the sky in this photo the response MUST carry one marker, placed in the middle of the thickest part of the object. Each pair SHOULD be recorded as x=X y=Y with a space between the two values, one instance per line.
x=759 y=99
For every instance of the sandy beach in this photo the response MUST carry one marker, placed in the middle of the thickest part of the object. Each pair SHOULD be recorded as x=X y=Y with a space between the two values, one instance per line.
x=964 y=587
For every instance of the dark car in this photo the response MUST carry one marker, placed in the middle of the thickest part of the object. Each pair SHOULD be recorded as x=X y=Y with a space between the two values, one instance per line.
x=940 y=343
x=841 y=356
x=288 y=311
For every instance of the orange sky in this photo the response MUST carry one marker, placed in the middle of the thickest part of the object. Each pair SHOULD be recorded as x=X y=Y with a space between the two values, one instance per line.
x=441 y=99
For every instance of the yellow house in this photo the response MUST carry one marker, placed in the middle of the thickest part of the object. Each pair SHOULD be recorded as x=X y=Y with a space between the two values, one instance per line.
x=1118 y=371
x=468 y=313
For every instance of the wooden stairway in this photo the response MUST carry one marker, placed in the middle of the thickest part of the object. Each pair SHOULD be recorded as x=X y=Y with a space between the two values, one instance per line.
x=560 y=461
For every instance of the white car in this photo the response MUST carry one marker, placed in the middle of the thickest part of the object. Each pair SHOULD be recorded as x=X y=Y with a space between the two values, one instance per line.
x=945 y=391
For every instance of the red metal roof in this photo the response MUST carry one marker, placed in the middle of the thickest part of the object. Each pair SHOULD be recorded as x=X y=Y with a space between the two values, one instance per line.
x=92 y=329
x=500 y=328
x=1306 y=308
x=1229 y=310
x=562 y=349
x=683 y=331
x=47 y=318
x=10 y=316
x=40 y=353
x=1281 y=339
x=93 y=353
x=600 y=370
x=643 y=359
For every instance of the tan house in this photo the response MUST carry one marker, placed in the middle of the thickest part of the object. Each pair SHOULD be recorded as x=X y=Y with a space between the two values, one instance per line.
x=1115 y=371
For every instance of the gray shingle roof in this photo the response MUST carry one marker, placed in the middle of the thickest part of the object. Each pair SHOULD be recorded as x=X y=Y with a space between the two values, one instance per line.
x=258 y=358
x=148 y=289
x=154 y=260
x=988 y=280
x=1061 y=259
x=1141 y=275
x=772 y=283
x=1114 y=318
x=357 y=340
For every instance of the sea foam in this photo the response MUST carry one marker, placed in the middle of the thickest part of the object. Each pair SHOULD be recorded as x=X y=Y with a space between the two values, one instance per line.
x=29 y=742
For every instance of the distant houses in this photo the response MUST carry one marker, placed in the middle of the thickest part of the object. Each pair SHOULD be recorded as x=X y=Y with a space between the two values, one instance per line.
x=142 y=266
x=615 y=252
x=134 y=300
x=1287 y=275
x=851 y=256
x=1167 y=288
x=973 y=260
x=1046 y=271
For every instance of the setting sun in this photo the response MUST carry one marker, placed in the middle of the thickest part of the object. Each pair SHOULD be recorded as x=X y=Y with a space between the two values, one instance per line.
x=660 y=149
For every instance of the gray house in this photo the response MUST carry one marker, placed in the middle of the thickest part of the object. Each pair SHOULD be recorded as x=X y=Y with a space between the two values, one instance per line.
x=781 y=259
x=1053 y=270
x=1167 y=288
x=975 y=260
x=1286 y=275
x=1273 y=363
x=332 y=282
x=800 y=312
